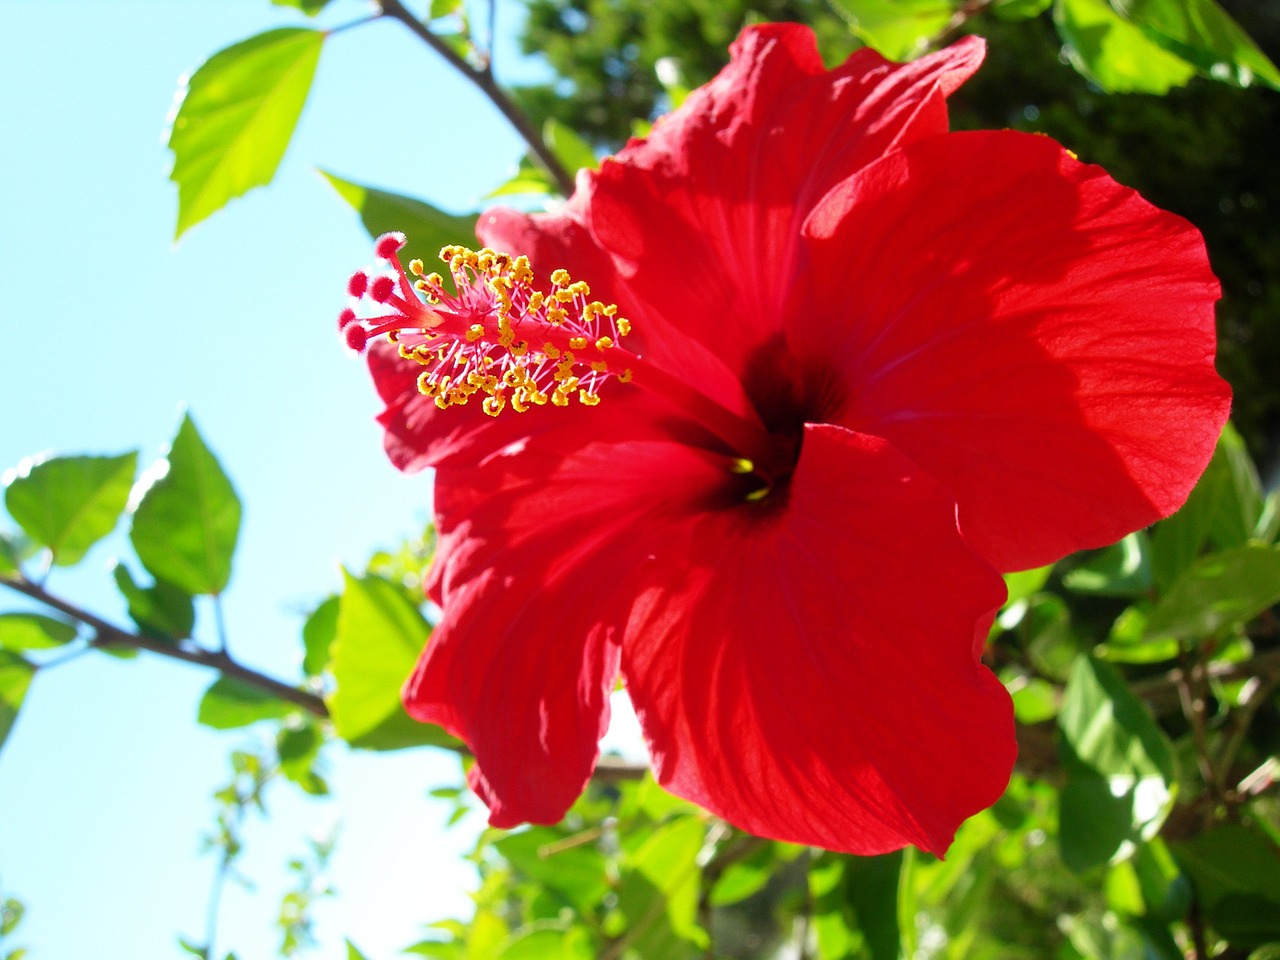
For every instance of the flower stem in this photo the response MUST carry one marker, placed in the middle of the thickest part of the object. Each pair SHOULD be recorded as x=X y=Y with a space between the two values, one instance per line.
x=107 y=634
x=484 y=80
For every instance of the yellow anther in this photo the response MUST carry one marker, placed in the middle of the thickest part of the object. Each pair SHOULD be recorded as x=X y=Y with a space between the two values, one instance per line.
x=604 y=343
x=560 y=277
x=425 y=385
x=551 y=351
x=564 y=296
x=521 y=271
x=625 y=376
x=493 y=405
x=742 y=465
x=416 y=267
x=538 y=397
x=556 y=316
x=520 y=400
x=475 y=332
x=760 y=494
x=580 y=289
x=559 y=398
x=624 y=326
x=599 y=366
x=514 y=377
x=536 y=300
x=588 y=399
x=578 y=343
x=406 y=352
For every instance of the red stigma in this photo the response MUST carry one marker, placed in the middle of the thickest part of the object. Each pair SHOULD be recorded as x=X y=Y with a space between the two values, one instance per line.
x=382 y=288
x=356 y=336
x=358 y=283
x=387 y=245
x=345 y=319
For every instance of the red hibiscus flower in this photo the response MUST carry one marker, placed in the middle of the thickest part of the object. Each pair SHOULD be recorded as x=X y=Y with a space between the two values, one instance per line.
x=857 y=365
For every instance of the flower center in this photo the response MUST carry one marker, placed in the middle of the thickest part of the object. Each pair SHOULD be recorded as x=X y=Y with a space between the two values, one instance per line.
x=498 y=336
x=521 y=347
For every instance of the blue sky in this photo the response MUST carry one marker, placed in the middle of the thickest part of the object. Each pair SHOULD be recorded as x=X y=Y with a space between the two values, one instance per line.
x=110 y=331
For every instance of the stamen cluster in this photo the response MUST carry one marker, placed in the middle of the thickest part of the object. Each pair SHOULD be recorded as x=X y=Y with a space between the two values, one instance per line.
x=497 y=335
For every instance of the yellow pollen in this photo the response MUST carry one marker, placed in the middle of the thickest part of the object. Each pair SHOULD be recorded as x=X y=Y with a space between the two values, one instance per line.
x=588 y=399
x=475 y=332
x=599 y=366
x=564 y=296
x=742 y=465
x=559 y=398
x=578 y=343
x=416 y=267
x=493 y=405
x=604 y=343
x=560 y=277
x=519 y=349
x=625 y=376
x=551 y=351
x=624 y=326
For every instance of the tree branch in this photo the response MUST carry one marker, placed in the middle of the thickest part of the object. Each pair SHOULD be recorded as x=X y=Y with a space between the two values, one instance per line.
x=484 y=80
x=108 y=634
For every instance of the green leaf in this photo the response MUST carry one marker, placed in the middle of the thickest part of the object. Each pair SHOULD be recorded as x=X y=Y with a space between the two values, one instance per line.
x=1217 y=593
x=31 y=631
x=10 y=554
x=231 y=703
x=1201 y=32
x=443 y=8
x=1119 y=765
x=309 y=7
x=1121 y=570
x=15 y=678
x=1019 y=9
x=529 y=179
x=658 y=891
x=379 y=637
x=353 y=953
x=576 y=871
x=299 y=750
x=186 y=527
x=236 y=118
x=70 y=503
x=160 y=610
x=1129 y=642
x=1025 y=582
x=872 y=885
x=571 y=150
x=317 y=636
x=426 y=228
x=1114 y=53
x=1235 y=872
x=573 y=943
x=898 y=29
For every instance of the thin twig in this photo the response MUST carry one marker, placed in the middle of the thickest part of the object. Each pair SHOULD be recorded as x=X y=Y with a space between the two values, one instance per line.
x=484 y=80
x=108 y=634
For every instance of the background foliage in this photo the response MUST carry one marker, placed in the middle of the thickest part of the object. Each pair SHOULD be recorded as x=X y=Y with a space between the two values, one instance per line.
x=1142 y=821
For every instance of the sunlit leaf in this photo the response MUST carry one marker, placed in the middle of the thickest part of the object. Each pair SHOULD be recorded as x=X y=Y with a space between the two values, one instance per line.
x=70 y=503
x=1201 y=32
x=1218 y=592
x=658 y=891
x=1024 y=583
x=186 y=526
x=556 y=860
x=317 y=636
x=1114 y=53
x=160 y=610
x=1121 y=570
x=309 y=7
x=571 y=150
x=32 y=631
x=529 y=179
x=426 y=228
x=1019 y=9
x=378 y=639
x=236 y=118
x=15 y=678
x=231 y=703
x=299 y=750
x=573 y=943
x=1119 y=765
x=898 y=29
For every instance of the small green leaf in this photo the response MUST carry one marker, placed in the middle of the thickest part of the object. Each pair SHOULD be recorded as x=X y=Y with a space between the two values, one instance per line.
x=379 y=637
x=309 y=7
x=31 y=631
x=317 y=636
x=1019 y=9
x=353 y=953
x=529 y=179
x=573 y=943
x=15 y=678
x=160 y=610
x=236 y=118
x=231 y=703
x=443 y=8
x=898 y=29
x=576 y=871
x=1025 y=582
x=10 y=555
x=70 y=503
x=1201 y=32
x=660 y=880
x=571 y=150
x=299 y=750
x=1121 y=570
x=1235 y=872
x=1119 y=765
x=1114 y=53
x=1217 y=593
x=186 y=527
x=426 y=228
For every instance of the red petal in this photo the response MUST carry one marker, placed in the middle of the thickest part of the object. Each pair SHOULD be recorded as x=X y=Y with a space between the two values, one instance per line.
x=1028 y=331
x=538 y=550
x=705 y=214
x=809 y=671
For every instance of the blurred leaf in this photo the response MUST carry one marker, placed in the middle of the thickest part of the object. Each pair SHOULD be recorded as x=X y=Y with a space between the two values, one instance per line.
x=550 y=857
x=1201 y=32
x=1114 y=53
x=872 y=885
x=70 y=503
x=309 y=7
x=299 y=749
x=1119 y=766
x=1034 y=699
x=379 y=637
x=1019 y=9
x=160 y=610
x=10 y=554
x=31 y=631
x=898 y=29
x=1165 y=891
x=236 y=118
x=1128 y=641
x=1217 y=593
x=571 y=150
x=1051 y=644
x=15 y=678
x=658 y=891
x=1120 y=570
x=186 y=527
x=746 y=877
x=353 y=953
x=1235 y=872
x=529 y=178
x=573 y=943
x=1025 y=582
x=231 y=703
x=317 y=636
x=442 y=8
x=426 y=228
